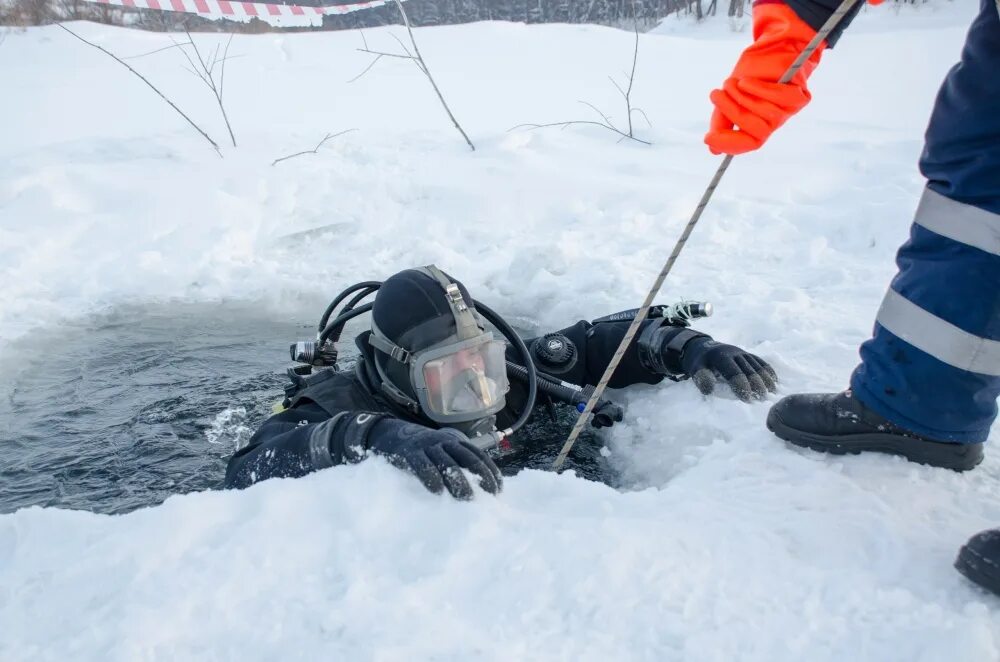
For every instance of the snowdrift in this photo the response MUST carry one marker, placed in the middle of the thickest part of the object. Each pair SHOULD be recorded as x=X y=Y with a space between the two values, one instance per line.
x=728 y=546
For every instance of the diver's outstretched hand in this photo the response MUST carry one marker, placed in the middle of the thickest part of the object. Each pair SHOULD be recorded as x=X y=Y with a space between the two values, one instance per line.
x=749 y=376
x=436 y=457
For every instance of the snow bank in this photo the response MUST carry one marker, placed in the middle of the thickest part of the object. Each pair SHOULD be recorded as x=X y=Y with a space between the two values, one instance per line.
x=749 y=555
x=732 y=546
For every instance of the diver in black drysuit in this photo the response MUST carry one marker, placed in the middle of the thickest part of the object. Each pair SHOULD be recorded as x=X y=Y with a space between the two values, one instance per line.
x=429 y=377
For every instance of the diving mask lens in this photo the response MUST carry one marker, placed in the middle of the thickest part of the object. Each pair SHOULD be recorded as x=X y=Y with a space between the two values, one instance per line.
x=470 y=380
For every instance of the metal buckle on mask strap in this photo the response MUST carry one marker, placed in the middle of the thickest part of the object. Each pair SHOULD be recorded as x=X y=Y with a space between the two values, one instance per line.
x=397 y=353
x=455 y=295
x=378 y=340
x=466 y=324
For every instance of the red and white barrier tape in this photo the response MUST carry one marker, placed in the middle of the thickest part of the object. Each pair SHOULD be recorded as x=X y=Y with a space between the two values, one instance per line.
x=244 y=11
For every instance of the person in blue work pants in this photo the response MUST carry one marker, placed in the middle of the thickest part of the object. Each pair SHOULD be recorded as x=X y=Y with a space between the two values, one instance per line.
x=929 y=377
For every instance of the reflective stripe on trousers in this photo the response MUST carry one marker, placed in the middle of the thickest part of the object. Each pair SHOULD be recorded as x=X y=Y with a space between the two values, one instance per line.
x=938 y=337
x=933 y=363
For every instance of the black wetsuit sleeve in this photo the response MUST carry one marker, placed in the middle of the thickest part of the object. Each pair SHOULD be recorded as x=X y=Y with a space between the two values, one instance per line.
x=816 y=12
x=595 y=345
x=304 y=439
x=285 y=446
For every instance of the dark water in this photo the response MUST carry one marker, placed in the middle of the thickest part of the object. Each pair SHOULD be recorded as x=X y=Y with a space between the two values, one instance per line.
x=122 y=410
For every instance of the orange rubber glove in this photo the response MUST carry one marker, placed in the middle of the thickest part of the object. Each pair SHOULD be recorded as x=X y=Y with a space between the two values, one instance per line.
x=752 y=104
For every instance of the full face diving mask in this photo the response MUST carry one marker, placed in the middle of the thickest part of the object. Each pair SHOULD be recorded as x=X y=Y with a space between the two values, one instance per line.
x=458 y=379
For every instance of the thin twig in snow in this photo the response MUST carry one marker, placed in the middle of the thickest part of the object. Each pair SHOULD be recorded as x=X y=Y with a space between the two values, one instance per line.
x=402 y=45
x=315 y=150
x=205 y=70
x=384 y=54
x=631 y=76
x=378 y=57
x=145 y=80
x=222 y=74
x=563 y=125
x=603 y=116
x=423 y=67
x=418 y=60
x=158 y=50
x=644 y=116
x=607 y=123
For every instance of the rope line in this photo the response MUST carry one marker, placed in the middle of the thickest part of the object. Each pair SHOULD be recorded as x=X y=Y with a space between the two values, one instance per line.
x=581 y=420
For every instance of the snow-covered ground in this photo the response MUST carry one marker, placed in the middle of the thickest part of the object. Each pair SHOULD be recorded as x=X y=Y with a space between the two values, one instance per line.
x=732 y=546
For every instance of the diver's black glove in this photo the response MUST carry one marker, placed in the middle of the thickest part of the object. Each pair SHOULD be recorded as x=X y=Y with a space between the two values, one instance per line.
x=678 y=352
x=707 y=361
x=436 y=457
x=606 y=414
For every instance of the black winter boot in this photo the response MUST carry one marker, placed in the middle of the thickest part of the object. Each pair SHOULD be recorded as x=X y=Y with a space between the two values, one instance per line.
x=979 y=560
x=838 y=423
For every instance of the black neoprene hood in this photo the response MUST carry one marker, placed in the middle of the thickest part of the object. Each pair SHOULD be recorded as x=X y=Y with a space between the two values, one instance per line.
x=412 y=311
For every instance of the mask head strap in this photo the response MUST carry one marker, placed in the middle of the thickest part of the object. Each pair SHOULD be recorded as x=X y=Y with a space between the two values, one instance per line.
x=466 y=324
x=378 y=340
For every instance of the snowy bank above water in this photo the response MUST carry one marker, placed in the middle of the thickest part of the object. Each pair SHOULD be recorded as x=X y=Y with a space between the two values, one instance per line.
x=748 y=555
x=731 y=545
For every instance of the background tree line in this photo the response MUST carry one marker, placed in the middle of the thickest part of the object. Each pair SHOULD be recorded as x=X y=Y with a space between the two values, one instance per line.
x=618 y=13
x=645 y=13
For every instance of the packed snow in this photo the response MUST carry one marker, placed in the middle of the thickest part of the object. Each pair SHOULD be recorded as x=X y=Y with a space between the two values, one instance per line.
x=729 y=545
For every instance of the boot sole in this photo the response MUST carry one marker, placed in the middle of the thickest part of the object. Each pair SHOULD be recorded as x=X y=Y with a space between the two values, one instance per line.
x=978 y=569
x=958 y=457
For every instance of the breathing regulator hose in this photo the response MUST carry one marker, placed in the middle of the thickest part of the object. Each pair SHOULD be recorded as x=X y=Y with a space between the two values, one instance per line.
x=367 y=286
x=333 y=330
x=567 y=393
x=844 y=8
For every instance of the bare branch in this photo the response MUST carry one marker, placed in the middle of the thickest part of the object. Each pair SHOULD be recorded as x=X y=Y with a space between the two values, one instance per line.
x=369 y=67
x=206 y=76
x=225 y=58
x=225 y=115
x=626 y=95
x=563 y=125
x=192 y=72
x=402 y=45
x=195 y=47
x=197 y=128
x=631 y=77
x=384 y=54
x=231 y=57
x=194 y=68
x=619 y=88
x=423 y=67
x=644 y=116
x=315 y=150
x=603 y=116
x=418 y=60
x=158 y=50
x=215 y=59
